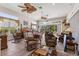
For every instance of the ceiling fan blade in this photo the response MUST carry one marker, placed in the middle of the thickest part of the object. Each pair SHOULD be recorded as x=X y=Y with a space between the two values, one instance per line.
x=27 y=4
x=31 y=9
x=64 y=21
x=43 y=17
x=27 y=7
x=24 y=10
x=21 y=6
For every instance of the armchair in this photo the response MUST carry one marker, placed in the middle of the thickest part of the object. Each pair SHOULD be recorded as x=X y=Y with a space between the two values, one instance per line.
x=61 y=38
x=53 y=53
x=17 y=37
x=70 y=45
x=51 y=40
x=31 y=43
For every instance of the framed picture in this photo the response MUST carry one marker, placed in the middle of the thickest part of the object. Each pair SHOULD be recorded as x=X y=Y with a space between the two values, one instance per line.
x=25 y=23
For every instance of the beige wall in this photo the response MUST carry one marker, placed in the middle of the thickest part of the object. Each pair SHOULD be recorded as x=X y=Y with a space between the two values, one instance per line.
x=74 y=23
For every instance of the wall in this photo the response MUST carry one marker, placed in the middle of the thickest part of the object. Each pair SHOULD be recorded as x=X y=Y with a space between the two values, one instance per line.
x=23 y=17
x=74 y=23
x=73 y=19
x=73 y=11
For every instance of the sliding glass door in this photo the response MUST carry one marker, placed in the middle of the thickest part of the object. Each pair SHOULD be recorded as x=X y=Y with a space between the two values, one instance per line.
x=7 y=24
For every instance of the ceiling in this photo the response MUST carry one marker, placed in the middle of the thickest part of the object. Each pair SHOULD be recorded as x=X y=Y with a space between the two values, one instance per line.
x=48 y=9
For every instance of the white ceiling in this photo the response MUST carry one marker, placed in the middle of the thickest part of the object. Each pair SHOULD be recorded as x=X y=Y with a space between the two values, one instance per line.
x=57 y=10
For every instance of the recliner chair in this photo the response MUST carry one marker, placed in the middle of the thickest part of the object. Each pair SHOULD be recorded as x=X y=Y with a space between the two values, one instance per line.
x=31 y=44
x=70 y=45
x=30 y=41
x=50 y=39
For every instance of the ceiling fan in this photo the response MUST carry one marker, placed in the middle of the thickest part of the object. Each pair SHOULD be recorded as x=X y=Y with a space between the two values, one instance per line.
x=42 y=17
x=65 y=23
x=27 y=7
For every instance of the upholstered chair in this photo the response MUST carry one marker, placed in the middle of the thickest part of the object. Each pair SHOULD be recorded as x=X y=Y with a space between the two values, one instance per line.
x=70 y=45
x=31 y=42
x=51 y=40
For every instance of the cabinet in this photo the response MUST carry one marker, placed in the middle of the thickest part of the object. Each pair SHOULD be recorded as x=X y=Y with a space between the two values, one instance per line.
x=3 y=41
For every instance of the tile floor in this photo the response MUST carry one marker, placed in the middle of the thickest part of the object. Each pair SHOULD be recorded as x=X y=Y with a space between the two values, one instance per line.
x=18 y=49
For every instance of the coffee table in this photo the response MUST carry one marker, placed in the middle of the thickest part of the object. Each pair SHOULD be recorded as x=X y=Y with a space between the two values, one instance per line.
x=40 y=52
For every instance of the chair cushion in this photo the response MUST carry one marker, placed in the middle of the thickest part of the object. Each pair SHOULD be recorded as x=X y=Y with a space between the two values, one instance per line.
x=31 y=42
x=71 y=47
